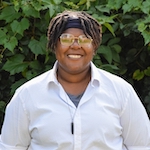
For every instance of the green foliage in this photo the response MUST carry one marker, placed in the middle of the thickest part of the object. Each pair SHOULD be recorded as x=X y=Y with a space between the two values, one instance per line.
x=125 y=48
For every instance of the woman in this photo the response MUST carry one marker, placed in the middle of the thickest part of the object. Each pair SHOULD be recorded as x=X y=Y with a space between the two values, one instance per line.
x=75 y=106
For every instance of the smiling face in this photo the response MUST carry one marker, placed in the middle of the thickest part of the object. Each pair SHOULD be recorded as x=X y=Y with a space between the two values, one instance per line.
x=75 y=58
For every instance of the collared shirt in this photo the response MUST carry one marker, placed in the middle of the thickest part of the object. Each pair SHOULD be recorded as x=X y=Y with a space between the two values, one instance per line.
x=109 y=116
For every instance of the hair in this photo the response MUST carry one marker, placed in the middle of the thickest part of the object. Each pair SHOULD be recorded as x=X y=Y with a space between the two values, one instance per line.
x=57 y=26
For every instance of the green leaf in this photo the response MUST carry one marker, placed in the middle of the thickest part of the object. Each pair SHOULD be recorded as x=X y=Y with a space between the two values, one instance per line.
x=11 y=43
x=147 y=71
x=115 y=56
x=146 y=35
x=97 y=60
x=57 y=1
x=113 y=41
x=117 y=48
x=19 y=27
x=25 y=23
x=43 y=42
x=51 y=10
x=2 y=106
x=35 y=65
x=38 y=47
x=16 y=5
x=109 y=27
x=37 y=5
x=47 y=2
x=35 y=47
x=114 y=4
x=15 y=64
x=15 y=26
x=126 y=8
x=106 y=52
x=30 y=11
x=103 y=8
x=146 y=7
x=81 y=2
x=138 y=75
x=104 y=19
x=71 y=4
x=142 y=26
x=29 y=74
x=88 y=3
x=132 y=5
x=9 y=14
x=3 y=36
x=109 y=68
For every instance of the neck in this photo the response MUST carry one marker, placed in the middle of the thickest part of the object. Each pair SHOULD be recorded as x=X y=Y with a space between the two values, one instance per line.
x=81 y=77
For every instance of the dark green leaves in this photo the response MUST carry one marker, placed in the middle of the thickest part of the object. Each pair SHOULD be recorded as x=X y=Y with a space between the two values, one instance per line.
x=38 y=47
x=106 y=52
x=9 y=14
x=19 y=27
x=28 y=10
x=15 y=64
x=138 y=74
x=11 y=43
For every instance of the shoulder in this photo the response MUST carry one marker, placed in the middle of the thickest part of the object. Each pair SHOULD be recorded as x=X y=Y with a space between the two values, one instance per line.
x=37 y=82
x=110 y=76
x=114 y=80
x=106 y=77
x=112 y=83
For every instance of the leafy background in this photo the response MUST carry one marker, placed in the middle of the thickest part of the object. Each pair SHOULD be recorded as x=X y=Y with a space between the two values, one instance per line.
x=125 y=49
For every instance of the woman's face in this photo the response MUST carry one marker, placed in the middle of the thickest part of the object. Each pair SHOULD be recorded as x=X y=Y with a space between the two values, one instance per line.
x=74 y=58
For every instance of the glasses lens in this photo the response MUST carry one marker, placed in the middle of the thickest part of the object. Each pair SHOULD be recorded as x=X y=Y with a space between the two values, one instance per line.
x=66 y=39
x=84 y=41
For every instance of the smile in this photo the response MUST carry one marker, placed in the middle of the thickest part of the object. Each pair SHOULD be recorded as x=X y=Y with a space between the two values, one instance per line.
x=74 y=56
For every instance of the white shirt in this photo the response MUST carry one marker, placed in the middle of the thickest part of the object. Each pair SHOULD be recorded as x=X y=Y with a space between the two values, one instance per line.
x=109 y=116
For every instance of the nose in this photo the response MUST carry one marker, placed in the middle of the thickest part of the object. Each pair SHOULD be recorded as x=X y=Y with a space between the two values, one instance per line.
x=75 y=44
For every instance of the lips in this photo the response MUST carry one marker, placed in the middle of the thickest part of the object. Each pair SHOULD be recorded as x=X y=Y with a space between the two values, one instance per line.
x=75 y=56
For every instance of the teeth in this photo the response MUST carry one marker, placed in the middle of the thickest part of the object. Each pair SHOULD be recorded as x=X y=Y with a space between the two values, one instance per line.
x=74 y=56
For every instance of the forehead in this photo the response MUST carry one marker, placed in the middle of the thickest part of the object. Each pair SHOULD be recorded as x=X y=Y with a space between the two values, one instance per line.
x=74 y=31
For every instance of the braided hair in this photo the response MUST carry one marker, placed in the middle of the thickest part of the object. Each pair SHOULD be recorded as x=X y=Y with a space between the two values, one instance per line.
x=89 y=24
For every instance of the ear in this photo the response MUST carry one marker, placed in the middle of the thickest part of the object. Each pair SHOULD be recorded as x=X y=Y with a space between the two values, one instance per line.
x=54 y=50
x=94 y=52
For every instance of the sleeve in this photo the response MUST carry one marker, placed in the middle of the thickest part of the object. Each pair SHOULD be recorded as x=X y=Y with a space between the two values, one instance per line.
x=135 y=123
x=15 y=130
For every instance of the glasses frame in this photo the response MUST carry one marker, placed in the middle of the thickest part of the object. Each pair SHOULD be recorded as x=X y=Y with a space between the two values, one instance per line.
x=73 y=38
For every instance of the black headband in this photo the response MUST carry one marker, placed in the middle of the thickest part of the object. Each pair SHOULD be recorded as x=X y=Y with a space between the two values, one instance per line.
x=73 y=23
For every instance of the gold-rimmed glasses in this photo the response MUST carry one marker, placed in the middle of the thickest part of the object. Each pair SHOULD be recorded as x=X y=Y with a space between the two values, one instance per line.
x=67 y=39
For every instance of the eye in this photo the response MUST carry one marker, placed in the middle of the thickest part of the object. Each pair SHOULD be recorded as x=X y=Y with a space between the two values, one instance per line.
x=66 y=36
x=66 y=39
x=84 y=40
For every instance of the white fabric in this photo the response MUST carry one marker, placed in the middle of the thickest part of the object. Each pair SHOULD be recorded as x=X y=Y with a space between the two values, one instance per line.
x=109 y=116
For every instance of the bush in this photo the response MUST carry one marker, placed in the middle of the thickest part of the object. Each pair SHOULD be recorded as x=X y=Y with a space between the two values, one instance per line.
x=125 y=49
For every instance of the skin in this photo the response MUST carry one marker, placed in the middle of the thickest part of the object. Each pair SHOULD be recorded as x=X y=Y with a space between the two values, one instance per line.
x=74 y=64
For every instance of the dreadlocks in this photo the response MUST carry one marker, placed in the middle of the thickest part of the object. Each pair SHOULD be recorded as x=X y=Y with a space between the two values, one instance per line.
x=89 y=24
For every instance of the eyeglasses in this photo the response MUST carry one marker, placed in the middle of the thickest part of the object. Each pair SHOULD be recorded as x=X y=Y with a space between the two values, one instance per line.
x=68 y=39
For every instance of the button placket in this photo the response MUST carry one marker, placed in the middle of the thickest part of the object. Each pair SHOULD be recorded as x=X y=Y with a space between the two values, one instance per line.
x=77 y=130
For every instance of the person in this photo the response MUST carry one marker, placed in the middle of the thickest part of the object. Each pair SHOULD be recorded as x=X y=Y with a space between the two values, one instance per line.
x=75 y=105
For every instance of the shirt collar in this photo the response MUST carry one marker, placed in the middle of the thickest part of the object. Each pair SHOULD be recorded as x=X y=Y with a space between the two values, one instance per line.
x=95 y=77
x=53 y=74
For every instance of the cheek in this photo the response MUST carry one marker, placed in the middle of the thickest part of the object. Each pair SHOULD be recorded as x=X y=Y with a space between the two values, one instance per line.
x=60 y=48
x=60 y=51
x=90 y=49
